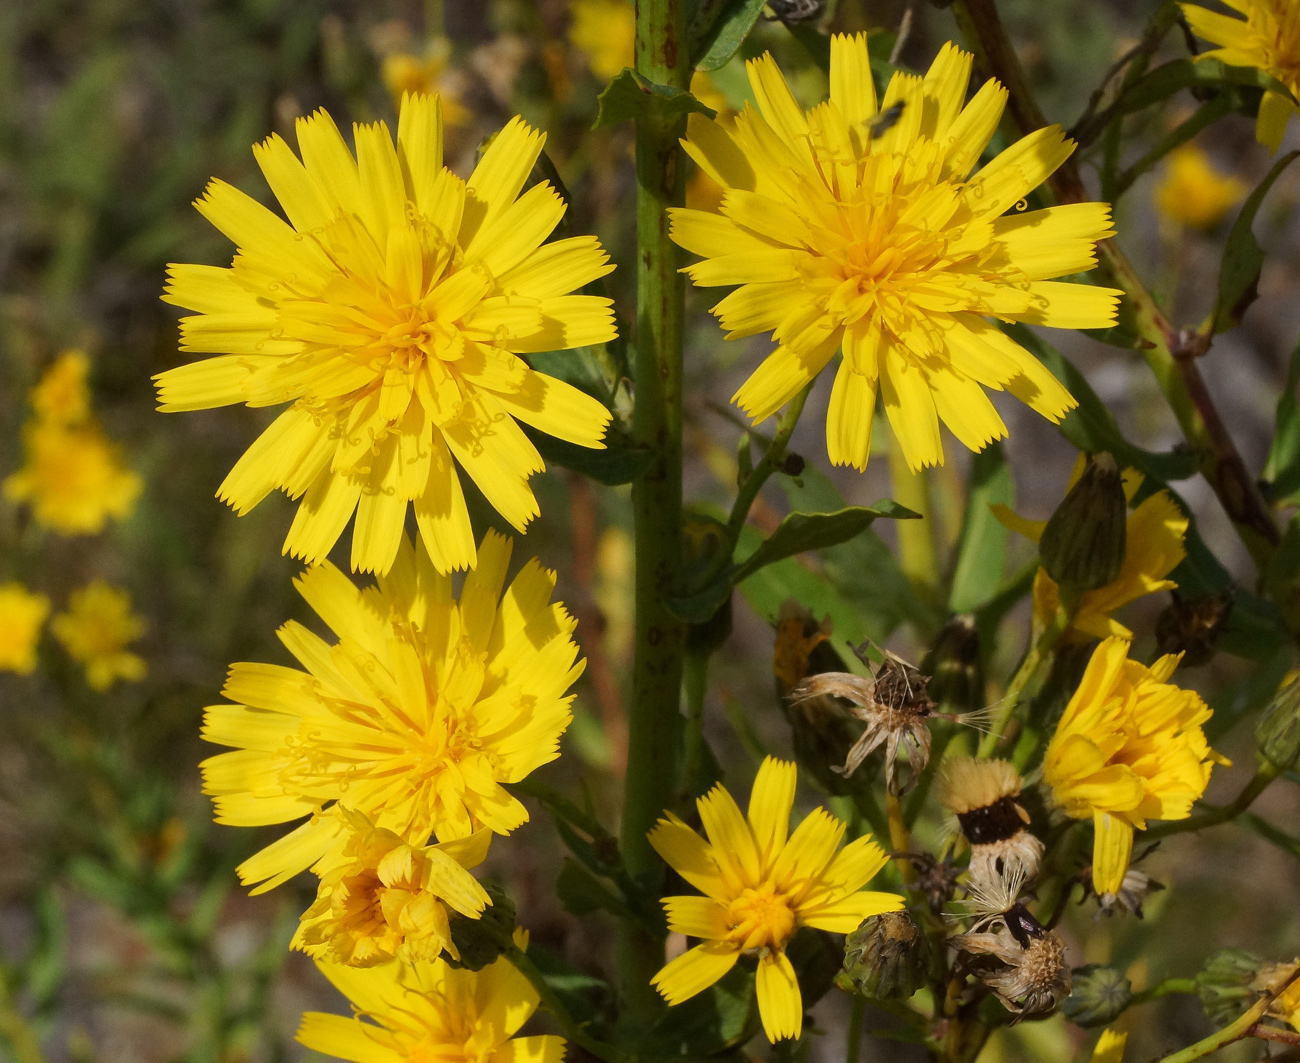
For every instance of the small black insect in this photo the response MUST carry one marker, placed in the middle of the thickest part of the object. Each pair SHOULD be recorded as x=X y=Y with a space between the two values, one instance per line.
x=794 y=11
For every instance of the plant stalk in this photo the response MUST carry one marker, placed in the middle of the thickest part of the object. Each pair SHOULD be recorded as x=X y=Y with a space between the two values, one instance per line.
x=652 y=768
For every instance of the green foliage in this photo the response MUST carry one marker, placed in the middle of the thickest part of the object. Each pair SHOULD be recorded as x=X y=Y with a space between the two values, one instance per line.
x=631 y=95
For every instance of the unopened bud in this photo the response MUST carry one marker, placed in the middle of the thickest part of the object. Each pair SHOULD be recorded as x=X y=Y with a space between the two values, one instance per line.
x=1225 y=985
x=1083 y=545
x=480 y=941
x=1099 y=996
x=953 y=665
x=885 y=958
x=1278 y=730
x=1191 y=626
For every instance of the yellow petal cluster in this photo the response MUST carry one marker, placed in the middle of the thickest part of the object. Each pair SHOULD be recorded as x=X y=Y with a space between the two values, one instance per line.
x=21 y=615
x=426 y=1011
x=388 y=899
x=861 y=228
x=1268 y=38
x=414 y=717
x=390 y=311
x=760 y=883
x=1129 y=747
x=62 y=395
x=1154 y=547
x=96 y=630
x=1193 y=193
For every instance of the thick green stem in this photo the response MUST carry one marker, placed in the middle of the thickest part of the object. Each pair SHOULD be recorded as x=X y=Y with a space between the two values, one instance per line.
x=857 y=1008
x=696 y=683
x=916 y=549
x=653 y=730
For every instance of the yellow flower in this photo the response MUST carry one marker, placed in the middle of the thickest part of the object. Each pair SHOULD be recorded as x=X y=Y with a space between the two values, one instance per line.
x=760 y=885
x=21 y=615
x=96 y=629
x=1153 y=548
x=427 y=1011
x=62 y=396
x=1129 y=747
x=387 y=899
x=857 y=228
x=409 y=73
x=1109 y=1047
x=1268 y=39
x=389 y=314
x=1194 y=193
x=73 y=478
x=415 y=717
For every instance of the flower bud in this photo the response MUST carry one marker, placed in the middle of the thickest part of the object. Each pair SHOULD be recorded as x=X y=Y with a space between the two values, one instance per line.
x=1083 y=545
x=954 y=667
x=1100 y=995
x=1225 y=985
x=480 y=941
x=1278 y=730
x=885 y=958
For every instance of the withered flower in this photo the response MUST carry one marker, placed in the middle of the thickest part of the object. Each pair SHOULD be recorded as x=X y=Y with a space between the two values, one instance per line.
x=983 y=796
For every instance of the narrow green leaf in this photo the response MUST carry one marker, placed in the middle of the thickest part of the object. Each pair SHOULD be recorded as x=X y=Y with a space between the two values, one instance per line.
x=720 y=41
x=982 y=547
x=813 y=531
x=1170 y=78
x=1242 y=256
x=631 y=95
x=620 y=462
x=1282 y=470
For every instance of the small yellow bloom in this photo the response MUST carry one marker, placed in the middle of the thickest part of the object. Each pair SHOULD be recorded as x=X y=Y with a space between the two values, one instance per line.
x=387 y=899
x=1109 y=1047
x=62 y=396
x=414 y=74
x=74 y=478
x=1154 y=548
x=760 y=884
x=96 y=629
x=415 y=716
x=1129 y=747
x=427 y=1011
x=21 y=615
x=390 y=313
x=1267 y=39
x=1194 y=193
x=856 y=228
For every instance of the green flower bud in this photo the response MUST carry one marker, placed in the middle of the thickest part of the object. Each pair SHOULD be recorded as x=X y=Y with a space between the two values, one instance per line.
x=1100 y=995
x=1083 y=545
x=1278 y=730
x=885 y=958
x=480 y=941
x=953 y=665
x=1225 y=986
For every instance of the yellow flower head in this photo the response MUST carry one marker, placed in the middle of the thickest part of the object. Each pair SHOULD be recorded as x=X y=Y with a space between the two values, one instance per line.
x=389 y=312
x=414 y=718
x=857 y=227
x=74 y=478
x=760 y=884
x=1109 y=1047
x=1129 y=747
x=1194 y=193
x=387 y=899
x=1267 y=39
x=21 y=615
x=427 y=1011
x=1153 y=548
x=96 y=629
x=410 y=73
x=62 y=396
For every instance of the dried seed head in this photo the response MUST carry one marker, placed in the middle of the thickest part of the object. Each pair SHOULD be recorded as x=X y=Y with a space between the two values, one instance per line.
x=982 y=794
x=886 y=957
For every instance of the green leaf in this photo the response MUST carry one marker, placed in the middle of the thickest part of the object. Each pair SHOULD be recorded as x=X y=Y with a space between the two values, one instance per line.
x=982 y=547
x=719 y=42
x=620 y=462
x=631 y=95
x=1282 y=470
x=1242 y=256
x=1093 y=428
x=581 y=893
x=1164 y=81
x=723 y=1016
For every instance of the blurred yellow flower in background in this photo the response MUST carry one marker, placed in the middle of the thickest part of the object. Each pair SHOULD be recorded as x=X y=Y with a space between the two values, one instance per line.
x=390 y=314
x=62 y=396
x=1267 y=39
x=96 y=629
x=21 y=615
x=73 y=478
x=760 y=884
x=846 y=229
x=387 y=899
x=1129 y=747
x=415 y=717
x=1154 y=547
x=1109 y=1047
x=407 y=72
x=424 y=1012
x=1193 y=193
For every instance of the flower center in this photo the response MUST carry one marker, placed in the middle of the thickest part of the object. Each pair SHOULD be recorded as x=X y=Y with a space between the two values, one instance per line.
x=760 y=918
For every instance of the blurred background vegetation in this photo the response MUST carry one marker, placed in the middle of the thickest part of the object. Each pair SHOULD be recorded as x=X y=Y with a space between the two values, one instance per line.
x=123 y=933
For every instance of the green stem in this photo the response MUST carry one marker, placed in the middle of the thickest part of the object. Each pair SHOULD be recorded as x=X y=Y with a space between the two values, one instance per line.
x=1264 y=775
x=1235 y=1032
x=857 y=1009
x=656 y=498
x=1038 y=655
x=1169 y=987
x=573 y=1030
x=916 y=551
x=695 y=680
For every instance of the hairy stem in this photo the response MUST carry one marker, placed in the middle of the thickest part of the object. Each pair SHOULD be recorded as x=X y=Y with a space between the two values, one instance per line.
x=656 y=497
